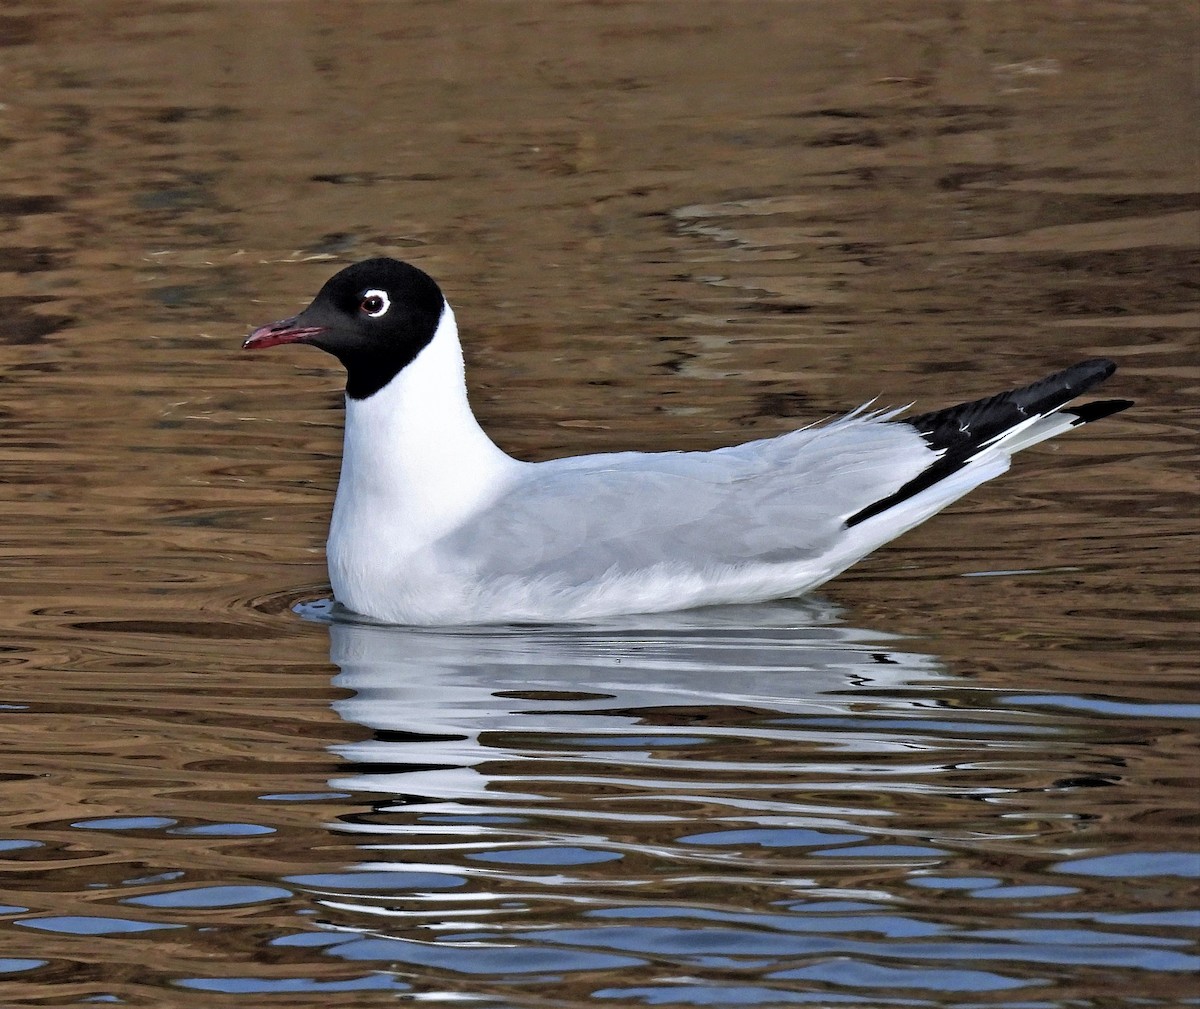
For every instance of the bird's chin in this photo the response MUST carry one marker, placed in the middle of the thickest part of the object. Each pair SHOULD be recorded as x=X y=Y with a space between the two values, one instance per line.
x=275 y=333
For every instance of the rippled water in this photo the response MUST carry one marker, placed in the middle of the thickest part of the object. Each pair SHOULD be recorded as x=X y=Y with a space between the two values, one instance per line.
x=966 y=775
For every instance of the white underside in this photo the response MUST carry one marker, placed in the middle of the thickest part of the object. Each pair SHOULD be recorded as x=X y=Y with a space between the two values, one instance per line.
x=433 y=524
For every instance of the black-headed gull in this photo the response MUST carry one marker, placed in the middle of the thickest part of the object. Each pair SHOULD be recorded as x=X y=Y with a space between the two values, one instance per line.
x=433 y=524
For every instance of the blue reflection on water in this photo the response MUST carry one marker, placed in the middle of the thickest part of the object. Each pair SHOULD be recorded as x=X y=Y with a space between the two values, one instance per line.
x=291 y=985
x=210 y=896
x=76 y=924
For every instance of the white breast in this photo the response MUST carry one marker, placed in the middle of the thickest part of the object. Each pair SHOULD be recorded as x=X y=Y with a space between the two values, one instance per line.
x=415 y=465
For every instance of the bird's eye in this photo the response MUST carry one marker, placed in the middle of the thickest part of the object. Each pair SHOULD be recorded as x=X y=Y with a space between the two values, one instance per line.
x=374 y=303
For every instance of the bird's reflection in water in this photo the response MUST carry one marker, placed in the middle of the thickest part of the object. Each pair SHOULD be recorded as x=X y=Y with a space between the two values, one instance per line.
x=500 y=757
x=469 y=700
x=672 y=797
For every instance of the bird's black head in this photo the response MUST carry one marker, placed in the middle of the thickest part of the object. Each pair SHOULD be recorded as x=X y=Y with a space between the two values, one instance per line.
x=374 y=317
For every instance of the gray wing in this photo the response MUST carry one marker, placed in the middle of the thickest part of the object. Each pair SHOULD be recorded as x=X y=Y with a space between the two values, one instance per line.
x=779 y=500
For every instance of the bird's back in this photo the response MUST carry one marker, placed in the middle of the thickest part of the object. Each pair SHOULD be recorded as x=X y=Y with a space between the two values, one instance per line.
x=586 y=535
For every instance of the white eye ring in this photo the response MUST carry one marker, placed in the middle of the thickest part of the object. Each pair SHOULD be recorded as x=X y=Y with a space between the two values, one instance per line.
x=371 y=296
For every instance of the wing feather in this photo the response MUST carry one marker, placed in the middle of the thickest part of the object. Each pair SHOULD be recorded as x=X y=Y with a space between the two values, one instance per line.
x=778 y=500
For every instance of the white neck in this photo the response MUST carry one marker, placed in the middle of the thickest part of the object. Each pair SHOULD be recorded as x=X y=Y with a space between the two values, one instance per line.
x=415 y=461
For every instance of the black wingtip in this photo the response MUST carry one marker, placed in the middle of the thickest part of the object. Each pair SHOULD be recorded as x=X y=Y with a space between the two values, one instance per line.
x=959 y=432
x=1094 y=370
x=964 y=427
x=1085 y=413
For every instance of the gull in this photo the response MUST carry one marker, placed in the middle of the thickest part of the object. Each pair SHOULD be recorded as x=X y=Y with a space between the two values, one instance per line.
x=433 y=524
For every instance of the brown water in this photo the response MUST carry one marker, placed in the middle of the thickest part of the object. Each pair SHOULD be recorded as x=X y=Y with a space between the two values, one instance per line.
x=966 y=775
